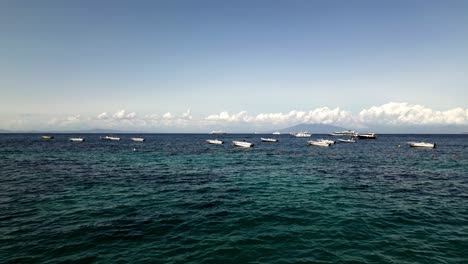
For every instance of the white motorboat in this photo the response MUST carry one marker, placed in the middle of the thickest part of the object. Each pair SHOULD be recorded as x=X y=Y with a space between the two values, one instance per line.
x=276 y=133
x=366 y=136
x=217 y=132
x=76 y=139
x=331 y=142
x=421 y=145
x=269 y=139
x=242 y=144
x=347 y=140
x=318 y=143
x=214 y=141
x=110 y=138
x=137 y=139
x=343 y=133
x=301 y=134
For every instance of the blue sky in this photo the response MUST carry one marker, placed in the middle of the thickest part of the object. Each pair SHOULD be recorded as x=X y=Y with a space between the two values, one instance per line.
x=65 y=63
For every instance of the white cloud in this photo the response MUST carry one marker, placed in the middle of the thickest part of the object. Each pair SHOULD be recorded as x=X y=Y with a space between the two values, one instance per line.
x=387 y=114
x=322 y=115
x=167 y=116
x=408 y=114
x=122 y=114
x=187 y=115
x=103 y=115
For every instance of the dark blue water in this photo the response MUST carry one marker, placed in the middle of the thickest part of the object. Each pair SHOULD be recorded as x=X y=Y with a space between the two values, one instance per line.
x=177 y=199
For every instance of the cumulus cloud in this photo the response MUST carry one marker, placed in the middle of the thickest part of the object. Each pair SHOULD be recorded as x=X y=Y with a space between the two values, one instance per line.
x=409 y=114
x=122 y=114
x=167 y=116
x=322 y=115
x=103 y=115
x=387 y=114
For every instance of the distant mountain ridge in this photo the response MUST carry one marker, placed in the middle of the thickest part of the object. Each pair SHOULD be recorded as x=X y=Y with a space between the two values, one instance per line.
x=313 y=128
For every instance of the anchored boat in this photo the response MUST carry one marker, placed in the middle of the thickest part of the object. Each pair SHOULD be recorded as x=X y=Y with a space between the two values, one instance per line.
x=301 y=134
x=269 y=139
x=367 y=136
x=47 y=137
x=214 y=141
x=137 y=139
x=110 y=138
x=242 y=144
x=318 y=143
x=76 y=139
x=421 y=145
x=347 y=140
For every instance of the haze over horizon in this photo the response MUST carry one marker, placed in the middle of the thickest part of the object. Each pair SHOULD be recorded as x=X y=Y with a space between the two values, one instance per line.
x=181 y=66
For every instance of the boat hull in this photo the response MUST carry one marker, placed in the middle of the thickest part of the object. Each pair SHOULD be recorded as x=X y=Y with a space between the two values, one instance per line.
x=421 y=145
x=269 y=140
x=318 y=143
x=77 y=139
x=215 y=141
x=242 y=144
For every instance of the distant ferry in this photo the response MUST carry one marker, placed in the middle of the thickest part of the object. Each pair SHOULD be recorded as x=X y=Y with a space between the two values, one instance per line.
x=218 y=132
x=343 y=133
x=276 y=133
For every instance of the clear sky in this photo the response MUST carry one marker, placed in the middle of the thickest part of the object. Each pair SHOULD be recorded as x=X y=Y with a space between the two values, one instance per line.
x=126 y=64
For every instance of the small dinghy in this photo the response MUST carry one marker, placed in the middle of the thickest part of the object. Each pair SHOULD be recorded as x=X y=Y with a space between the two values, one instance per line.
x=330 y=142
x=76 y=139
x=242 y=144
x=110 y=138
x=137 y=139
x=421 y=145
x=318 y=143
x=47 y=137
x=269 y=140
x=347 y=140
x=214 y=141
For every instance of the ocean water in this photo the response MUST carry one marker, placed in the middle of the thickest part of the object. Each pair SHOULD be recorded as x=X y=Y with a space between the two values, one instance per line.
x=176 y=199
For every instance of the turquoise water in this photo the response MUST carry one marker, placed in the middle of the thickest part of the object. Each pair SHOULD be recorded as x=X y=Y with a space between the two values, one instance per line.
x=176 y=199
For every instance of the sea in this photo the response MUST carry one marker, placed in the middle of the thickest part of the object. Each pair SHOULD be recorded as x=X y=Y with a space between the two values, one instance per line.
x=176 y=199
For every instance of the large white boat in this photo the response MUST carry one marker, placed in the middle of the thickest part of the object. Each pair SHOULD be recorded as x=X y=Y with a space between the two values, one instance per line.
x=318 y=143
x=214 y=141
x=269 y=139
x=217 y=132
x=421 y=145
x=276 y=133
x=331 y=142
x=137 y=139
x=242 y=144
x=343 y=133
x=366 y=136
x=347 y=140
x=301 y=134
x=76 y=139
x=110 y=138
